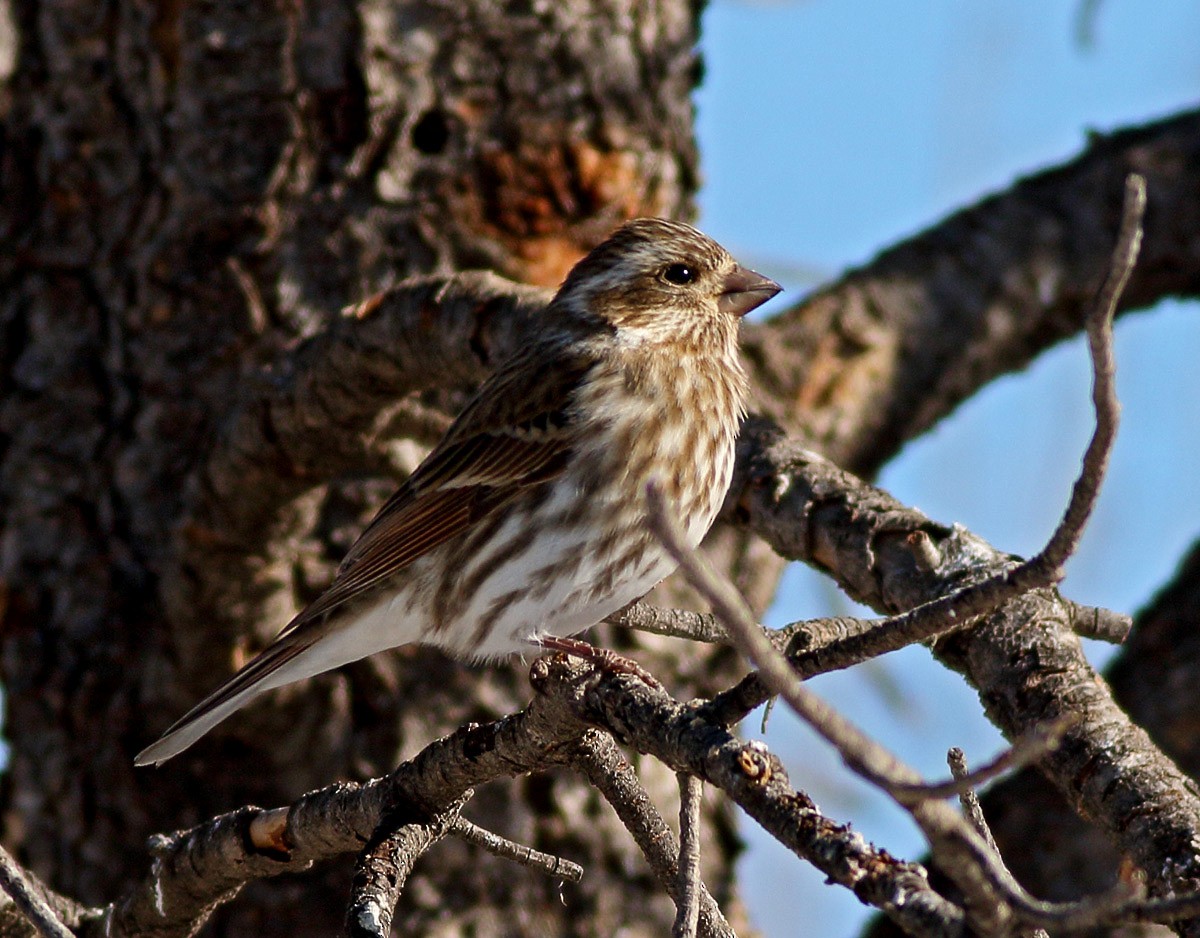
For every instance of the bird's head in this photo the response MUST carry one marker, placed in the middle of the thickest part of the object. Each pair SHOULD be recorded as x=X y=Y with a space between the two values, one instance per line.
x=653 y=276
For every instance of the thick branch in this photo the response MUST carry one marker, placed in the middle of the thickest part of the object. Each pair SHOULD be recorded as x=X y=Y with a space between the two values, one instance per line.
x=994 y=901
x=1155 y=679
x=196 y=870
x=1023 y=658
x=881 y=355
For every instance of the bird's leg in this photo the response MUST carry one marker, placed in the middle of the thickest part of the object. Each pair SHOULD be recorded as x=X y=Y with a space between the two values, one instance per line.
x=604 y=658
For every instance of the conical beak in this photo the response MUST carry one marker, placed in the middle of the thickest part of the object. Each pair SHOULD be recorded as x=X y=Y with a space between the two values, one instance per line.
x=745 y=290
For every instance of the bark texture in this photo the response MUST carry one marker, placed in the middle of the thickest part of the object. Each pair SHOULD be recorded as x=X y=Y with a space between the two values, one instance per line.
x=188 y=195
x=186 y=190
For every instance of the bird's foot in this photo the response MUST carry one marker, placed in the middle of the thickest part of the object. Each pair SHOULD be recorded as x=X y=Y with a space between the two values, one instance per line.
x=604 y=658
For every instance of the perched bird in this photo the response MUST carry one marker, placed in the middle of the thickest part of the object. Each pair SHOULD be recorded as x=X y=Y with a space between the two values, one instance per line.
x=528 y=520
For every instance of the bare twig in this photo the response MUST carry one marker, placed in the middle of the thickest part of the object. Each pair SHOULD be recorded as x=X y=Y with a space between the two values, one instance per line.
x=384 y=866
x=973 y=811
x=861 y=754
x=818 y=646
x=599 y=759
x=1023 y=660
x=677 y=623
x=1102 y=624
x=1027 y=749
x=26 y=897
x=994 y=899
x=1065 y=539
x=688 y=903
x=831 y=643
x=956 y=610
x=506 y=849
x=1046 y=568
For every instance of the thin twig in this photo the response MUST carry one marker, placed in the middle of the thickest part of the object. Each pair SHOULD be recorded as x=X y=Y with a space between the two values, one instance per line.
x=994 y=899
x=688 y=904
x=597 y=757
x=1027 y=749
x=972 y=809
x=957 y=610
x=861 y=754
x=506 y=849
x=26 y=898
x=1064 y=541
x=1046 y=568
x=834 y=643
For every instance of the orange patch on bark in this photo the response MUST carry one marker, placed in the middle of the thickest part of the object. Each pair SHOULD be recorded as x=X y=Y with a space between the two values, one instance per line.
x=548 y=206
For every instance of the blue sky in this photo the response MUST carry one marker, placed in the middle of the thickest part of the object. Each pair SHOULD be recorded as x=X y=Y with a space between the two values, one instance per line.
x=830 y=129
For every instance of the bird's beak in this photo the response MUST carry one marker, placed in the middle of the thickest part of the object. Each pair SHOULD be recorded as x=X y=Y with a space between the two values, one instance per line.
x=745 y=290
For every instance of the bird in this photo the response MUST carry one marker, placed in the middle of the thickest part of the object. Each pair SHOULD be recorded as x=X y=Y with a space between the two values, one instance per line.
x=527 y=521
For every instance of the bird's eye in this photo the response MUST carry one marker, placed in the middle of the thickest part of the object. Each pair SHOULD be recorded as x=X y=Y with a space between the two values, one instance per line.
x=679 y=274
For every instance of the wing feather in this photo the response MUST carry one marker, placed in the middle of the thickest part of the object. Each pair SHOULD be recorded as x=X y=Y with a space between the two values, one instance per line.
x=518 y=430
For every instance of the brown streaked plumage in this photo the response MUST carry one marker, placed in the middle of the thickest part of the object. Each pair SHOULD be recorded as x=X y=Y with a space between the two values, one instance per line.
x=528 y=518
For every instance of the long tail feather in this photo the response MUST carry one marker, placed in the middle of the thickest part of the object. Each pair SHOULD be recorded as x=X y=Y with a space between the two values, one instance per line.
x=279 y=664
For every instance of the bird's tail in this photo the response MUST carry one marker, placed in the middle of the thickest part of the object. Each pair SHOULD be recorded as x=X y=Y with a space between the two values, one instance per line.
x=280 y=663
x=309 y=645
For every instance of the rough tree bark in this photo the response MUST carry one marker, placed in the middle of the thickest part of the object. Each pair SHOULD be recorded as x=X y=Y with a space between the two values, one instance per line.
x=186 y=190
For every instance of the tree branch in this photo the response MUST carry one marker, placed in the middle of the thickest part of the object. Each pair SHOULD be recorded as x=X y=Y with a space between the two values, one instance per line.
x=30 y=898
x=881 y=355
x=384 y=865
x=597 y=757
x=955 y=610
x=196 y=870
x=676 y=734
x=1026 y=664
x=995 y=902
x=688 y=912
x=552 y=866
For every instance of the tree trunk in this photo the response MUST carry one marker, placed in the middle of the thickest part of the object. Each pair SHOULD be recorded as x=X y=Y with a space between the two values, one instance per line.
x=187 y=190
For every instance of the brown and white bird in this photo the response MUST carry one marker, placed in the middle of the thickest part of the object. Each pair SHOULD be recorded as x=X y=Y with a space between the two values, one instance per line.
x=528 y=519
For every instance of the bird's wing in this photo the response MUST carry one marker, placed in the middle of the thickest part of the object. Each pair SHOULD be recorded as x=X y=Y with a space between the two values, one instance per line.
x=517 y=431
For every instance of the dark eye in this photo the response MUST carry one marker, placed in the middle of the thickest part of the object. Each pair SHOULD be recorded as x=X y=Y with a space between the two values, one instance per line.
x=679 y=274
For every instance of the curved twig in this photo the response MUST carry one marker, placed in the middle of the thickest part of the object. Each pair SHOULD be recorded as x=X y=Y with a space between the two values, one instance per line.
x=29 y=900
